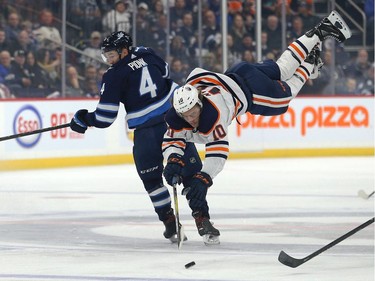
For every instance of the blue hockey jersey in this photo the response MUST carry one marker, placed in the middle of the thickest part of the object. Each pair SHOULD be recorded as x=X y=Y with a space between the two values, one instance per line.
x=141 y=82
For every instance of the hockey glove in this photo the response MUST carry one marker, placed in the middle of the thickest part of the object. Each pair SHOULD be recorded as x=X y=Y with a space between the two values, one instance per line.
x=199 y=184
x=173 y=169
x=78 y=123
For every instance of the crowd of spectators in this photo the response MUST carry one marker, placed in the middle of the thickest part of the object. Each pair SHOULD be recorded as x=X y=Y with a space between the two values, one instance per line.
x=31 y=50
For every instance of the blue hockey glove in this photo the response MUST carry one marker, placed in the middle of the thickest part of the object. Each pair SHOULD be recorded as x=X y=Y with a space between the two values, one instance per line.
x=78 y=123
x=197 y=189
x=173 y=169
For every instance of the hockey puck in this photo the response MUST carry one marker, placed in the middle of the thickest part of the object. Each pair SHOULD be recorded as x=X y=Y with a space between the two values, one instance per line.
x=190 y=264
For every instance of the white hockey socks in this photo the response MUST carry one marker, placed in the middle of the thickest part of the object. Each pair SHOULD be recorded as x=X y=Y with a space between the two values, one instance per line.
x=300 y=77
x=291 y=59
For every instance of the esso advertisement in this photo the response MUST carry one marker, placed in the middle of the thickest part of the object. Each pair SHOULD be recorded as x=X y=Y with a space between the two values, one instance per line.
x=27 y=119
x=308 y=123
x=23 y=117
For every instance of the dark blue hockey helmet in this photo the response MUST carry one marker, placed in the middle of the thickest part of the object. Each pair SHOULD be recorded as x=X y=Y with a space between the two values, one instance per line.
x=117 y=41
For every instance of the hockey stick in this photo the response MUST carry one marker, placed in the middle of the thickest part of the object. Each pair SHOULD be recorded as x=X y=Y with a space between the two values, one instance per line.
x=284 y=258
x=179 y=229
x=364 y=195
x=35 y=132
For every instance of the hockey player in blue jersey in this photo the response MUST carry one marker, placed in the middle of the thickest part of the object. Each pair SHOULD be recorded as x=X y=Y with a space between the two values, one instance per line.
x=139 y=79
x=205 y=107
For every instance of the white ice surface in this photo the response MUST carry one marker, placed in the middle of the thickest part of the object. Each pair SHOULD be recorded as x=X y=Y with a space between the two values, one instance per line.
x=97 y=223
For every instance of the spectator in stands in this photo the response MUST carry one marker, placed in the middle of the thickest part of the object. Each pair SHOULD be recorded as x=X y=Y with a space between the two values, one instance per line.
x=117 y=19
x=38 y=76
x=47 y=35
x=209 y=59
x=90 y=88
x=305 y=11
x=178 y=50
x=92 y=52
x=27 y=26
x=86 y=15
x=73 y=84
x=6 y=9
x=23 y=42
x=366 y=85
x=294 y=5
x=5 y=65
x=249 y=24
x=53 y=5
x=297 y=29
x=144 y=26
x=18 y=80
x=215 y=6
x=186 y=31
x=358 y=69
x=247 y=43
x=159 y=37
x=157 y=9
x=50 y=65
x=176 y=14
x=332 y=77
x=234 y=56
x=349 y=87
x=264 y=45
x=234 y=8
x=248 y=56
x=4 y=42
x=273 y=30
x=178 y=74
x=12 y=27
x=105 y=6
x=211 y=31
x=143 y=12
x=237 y=31
x=249 y=8
x=269 y=7
x=91 y=73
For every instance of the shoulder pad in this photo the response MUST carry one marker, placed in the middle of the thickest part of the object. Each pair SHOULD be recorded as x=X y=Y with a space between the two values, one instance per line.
x=176 y=122
x=208 y=118
x=143 y=50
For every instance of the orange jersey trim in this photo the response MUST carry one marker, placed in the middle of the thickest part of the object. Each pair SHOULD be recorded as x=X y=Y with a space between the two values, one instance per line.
x=293 y=45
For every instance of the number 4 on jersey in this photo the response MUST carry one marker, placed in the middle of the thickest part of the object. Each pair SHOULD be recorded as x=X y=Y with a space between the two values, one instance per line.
x=147 y=85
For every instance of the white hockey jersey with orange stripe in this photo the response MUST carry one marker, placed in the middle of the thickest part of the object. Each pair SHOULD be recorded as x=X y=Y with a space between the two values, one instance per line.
x=223 y=101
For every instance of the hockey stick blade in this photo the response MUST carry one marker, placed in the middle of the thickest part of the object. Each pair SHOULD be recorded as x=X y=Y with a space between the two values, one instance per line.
x=287 y=260
x=363 y=194
x=181 y=238
x=284 y=258
x=35 y=132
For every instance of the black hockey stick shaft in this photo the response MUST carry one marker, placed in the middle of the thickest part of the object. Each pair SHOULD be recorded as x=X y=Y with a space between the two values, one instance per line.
x=284 y=258
x=372 y=193
x=35 y=132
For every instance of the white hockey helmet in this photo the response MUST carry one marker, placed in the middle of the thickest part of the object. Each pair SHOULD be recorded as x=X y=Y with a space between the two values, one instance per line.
x=185 y=98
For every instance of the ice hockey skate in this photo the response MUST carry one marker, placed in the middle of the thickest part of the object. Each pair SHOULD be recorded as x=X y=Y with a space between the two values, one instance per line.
x=209 y=233
x=332 y=26
x=314 y=58
x=170 y=231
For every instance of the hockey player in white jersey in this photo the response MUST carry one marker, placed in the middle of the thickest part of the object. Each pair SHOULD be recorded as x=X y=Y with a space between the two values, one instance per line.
x=207 y=104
